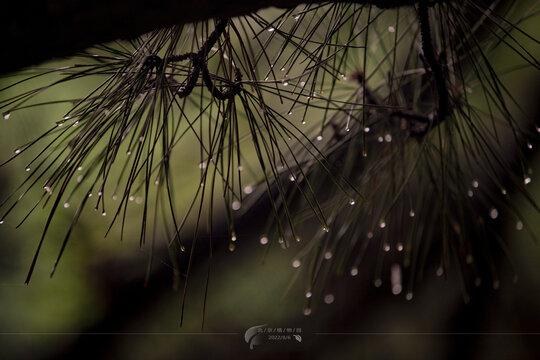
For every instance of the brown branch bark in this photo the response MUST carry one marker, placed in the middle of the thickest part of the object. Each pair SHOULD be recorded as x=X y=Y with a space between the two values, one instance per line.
x=37 y=30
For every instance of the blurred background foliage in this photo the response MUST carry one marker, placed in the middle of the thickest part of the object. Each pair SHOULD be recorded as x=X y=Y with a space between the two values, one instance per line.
x=97 y=307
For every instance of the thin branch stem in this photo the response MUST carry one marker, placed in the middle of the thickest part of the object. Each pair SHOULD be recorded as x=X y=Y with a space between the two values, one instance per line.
x=429 y=54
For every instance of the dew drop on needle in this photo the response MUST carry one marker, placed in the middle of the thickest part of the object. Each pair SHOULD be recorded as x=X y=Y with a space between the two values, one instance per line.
x=329 y=298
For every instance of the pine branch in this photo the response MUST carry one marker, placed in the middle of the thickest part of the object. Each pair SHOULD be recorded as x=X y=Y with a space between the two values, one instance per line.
x=207 y=78
x=36 y=31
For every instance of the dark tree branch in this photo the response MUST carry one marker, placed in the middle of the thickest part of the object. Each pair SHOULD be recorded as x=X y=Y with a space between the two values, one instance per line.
x=37 y=30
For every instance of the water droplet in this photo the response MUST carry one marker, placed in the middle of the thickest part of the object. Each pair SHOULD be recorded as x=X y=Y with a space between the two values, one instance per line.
x=352 y=202
x=291 y=178
x=325 y=229
x=297 y=239
x=128 y=153
x=271 y=30
x=354 y=271
x=380 y=139
x=248 y=189
x=440 y=271
x=519 y=225
x=377 y=282
x=138 y=200
x=503 y=191
x=470 y=193
x=289 y=113
x=233 y=237
x=475 y=184
x=296 y=263
x=329 y=298
x=7 y=115
x=156 y=182
x=529 y=145
x=285 y=82
x=17 y=151
x=114 y=197
x=411 y=213
x=391 y=29
x=103 y=213
x=409 y=296
x=366 y=129
x=99 y=193
x=231 y=247
x=236 y=205
x=382 y=224
x=1 y=222
x=296 y=17
x=309 y=294
x=537 y=128
x=319 y=138
x=264 y=240
x=386 y=247
x=47 y=188
x=282 y=69
x=240 y=168
x=27 y=168
x=202 y=165
x=327 y=255
x=399 y=247
x=307 y=311
x=388 y=138
x=527 y=180
x=79 y=178
x=370 y=235
x=66 y=205
x=303 y=122
x=493 y=213
x=131 y=198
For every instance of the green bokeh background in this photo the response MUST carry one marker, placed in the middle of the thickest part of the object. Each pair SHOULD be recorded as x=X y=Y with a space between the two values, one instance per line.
x=69 y=315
